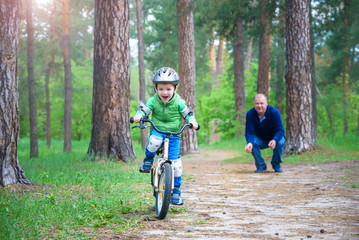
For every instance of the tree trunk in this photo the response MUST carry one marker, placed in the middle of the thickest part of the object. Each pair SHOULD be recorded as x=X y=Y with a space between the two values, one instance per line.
x=10 y=169
x=300 y=135
x=68 y=86
x=186 y=63
x=247 y=61
x=314 y=86
x=47 y=100
x=239 y=94
x=345 y=64
x=31 y=82
x=220 y=61
x=264 y=49
x=141 y=64
x=212 y=55
x=110 y=135
x=50 y=66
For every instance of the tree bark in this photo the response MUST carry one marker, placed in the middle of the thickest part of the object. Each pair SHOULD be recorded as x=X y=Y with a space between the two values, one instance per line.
x=186 y=62
x=239 y=94
x=300 y=135
x=68 y=85
x=10 y=169
x=247 y=61
x=264 y=49
x=111 y=89
x=314 y=86
x=31 y=82
x=212 y=55
x=141 y=65
x=220 y=61
x=344 y=68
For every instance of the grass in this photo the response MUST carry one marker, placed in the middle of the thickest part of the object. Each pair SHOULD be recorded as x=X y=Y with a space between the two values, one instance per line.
x=334 y=149
x=74 y=197
x=70 y=194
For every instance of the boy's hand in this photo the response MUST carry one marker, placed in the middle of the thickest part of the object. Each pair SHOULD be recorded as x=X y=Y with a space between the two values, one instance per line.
x=137 y=119
x=194 y=123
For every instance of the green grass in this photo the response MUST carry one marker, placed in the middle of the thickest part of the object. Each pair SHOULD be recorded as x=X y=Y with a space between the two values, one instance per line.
x=334 y=149
x=352 y=185
x=72 y=194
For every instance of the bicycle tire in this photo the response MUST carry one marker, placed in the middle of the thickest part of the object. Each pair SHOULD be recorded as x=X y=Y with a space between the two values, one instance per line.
x=163 y=195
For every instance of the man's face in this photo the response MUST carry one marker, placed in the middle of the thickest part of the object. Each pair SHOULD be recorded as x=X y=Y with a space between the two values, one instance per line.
x=165 y=91
x=260 y=105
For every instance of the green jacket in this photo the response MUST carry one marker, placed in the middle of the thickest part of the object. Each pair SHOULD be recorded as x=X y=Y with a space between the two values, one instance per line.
x=167 y=115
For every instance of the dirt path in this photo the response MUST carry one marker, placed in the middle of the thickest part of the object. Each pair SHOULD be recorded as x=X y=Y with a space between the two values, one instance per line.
x=230 y=201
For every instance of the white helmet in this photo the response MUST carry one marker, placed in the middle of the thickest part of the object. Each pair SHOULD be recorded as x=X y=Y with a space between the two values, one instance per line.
x=166 y=75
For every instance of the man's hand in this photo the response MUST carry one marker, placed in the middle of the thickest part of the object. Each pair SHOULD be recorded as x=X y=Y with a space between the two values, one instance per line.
x=272 y=144
x=248 y=147
x=137 y=118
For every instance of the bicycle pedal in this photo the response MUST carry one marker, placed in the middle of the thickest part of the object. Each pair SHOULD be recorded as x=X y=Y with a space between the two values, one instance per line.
x=144 y=170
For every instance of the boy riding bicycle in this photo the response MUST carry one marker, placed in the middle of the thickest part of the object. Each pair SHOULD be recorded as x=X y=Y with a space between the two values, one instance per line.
x=168 y=109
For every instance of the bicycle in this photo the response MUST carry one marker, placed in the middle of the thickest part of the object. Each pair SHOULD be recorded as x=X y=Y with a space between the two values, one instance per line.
x=162 y=174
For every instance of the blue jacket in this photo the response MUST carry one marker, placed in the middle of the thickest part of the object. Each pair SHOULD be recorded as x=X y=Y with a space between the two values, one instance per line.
x=270 y=128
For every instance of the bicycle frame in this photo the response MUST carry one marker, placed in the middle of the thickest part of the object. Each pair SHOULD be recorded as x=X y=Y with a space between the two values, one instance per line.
x=156 y=167
x=161 y=160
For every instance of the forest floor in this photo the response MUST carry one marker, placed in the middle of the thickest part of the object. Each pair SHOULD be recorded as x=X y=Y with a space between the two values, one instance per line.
x=230 y=201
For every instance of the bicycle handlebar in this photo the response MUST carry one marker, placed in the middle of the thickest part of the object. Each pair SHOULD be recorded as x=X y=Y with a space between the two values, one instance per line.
x=190 y=125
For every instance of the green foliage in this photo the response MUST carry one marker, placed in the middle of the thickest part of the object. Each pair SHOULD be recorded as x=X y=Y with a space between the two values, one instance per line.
x=81 y=21
x=330 y=111
x=222 y=14
x=82 y=99
x=135 y=133
x=217 y=108
x=72 y=193
x=251 y=84
x=160 y=33
x=336 y=36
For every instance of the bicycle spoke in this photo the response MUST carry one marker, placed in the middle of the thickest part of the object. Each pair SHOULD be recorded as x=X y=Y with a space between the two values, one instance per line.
x=163 y=196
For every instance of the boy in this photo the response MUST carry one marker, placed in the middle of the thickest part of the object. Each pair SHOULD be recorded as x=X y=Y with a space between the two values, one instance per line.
x=167 y=109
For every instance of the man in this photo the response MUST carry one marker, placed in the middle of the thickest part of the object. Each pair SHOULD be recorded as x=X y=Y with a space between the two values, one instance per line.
x=264 y=128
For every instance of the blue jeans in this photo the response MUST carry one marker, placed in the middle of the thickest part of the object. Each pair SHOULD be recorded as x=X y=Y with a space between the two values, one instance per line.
x=173 y=152
x=276 y=157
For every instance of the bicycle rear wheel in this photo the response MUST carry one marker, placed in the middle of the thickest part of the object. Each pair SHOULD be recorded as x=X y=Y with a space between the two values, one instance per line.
x=163 y=195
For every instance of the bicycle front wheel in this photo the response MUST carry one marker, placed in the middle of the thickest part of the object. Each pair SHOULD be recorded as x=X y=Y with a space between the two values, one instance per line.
x=163 y=195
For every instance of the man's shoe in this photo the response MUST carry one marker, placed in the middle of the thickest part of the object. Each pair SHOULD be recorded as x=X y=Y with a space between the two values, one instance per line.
x=261 y=170
x=176 y=198
x=278 y=170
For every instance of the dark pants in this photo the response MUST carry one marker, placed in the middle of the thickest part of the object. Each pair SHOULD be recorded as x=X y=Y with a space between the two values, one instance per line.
x=277 y=153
